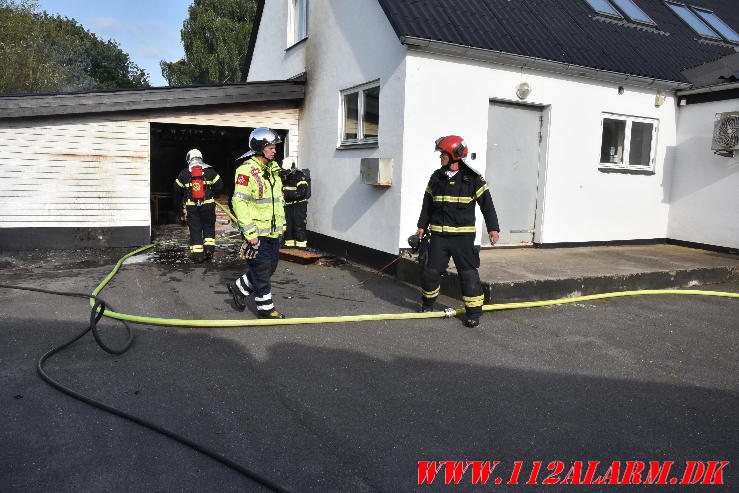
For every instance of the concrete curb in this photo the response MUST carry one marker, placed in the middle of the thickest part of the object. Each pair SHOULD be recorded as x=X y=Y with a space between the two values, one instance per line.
x=545 y=289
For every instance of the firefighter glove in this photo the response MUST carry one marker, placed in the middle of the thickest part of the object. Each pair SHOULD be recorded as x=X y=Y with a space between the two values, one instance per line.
x=249 y=251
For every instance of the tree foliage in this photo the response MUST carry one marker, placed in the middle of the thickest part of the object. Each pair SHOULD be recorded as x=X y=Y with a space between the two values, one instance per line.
x=44 y=53
x=215 y=37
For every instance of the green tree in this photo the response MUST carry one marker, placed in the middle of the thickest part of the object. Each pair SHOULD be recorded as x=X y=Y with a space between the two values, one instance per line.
x=43 y=53
x=215 y=37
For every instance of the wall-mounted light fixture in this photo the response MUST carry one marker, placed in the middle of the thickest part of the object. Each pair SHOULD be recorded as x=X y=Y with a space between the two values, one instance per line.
x=659 y=99
x=523 y=90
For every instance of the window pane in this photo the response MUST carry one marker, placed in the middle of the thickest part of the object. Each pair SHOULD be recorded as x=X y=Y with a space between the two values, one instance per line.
x=715 y=22
x=371 y=112
x=612 y=145
x=692 y=20
x=603 y=7
x=351 y=115
x=634 y=12
x=641 y=143
x=300 y=19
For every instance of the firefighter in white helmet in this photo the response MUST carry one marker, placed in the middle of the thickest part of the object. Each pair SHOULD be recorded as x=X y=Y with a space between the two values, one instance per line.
x=199 y=183
x=296 y=187
x=259 y=207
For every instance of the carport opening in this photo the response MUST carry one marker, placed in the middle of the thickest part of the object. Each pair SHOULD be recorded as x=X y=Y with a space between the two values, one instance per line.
x=169 y=144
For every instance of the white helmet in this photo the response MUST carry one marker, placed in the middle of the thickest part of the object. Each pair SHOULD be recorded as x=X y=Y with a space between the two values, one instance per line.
x=262 y=137
x=193 y=154
x=289 y=163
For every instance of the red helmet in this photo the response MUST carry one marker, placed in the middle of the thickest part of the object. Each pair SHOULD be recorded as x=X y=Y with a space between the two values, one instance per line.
x=452 y=144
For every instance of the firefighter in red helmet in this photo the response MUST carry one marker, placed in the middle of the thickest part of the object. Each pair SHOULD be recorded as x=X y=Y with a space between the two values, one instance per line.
x=448 y=214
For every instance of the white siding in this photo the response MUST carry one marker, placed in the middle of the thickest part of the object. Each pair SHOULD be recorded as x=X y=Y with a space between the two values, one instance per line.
x=93 y=170
x=704 y=205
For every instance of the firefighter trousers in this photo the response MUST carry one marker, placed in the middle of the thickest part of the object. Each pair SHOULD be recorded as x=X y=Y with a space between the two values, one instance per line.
x=257 y=280
x=202 y=224
x=466 y=257
x=296 y=216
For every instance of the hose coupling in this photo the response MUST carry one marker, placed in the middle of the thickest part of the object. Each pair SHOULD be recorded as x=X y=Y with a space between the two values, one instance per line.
x=449 y=312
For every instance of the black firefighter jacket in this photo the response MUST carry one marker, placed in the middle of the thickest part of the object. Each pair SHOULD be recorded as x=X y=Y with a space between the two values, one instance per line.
x=449 y=203
x=211 y=180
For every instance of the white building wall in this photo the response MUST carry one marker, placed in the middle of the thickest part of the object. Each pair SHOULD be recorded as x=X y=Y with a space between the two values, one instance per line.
x=93 y=170
x=447 y=95
x=352 y=44
x=705 y=187
x=273 y=59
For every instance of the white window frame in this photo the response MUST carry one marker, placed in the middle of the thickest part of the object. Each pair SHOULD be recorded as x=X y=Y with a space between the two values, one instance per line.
x=625 y=165
x=297 y=21
x=360 y=140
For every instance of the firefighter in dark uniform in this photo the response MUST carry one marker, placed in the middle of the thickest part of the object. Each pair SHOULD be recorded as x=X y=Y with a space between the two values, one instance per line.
x=448 y=213
x=259 y=207
x=296 y=190
x=199 y=183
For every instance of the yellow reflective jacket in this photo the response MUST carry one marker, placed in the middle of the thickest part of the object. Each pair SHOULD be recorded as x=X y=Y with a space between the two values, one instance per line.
x=257 y=200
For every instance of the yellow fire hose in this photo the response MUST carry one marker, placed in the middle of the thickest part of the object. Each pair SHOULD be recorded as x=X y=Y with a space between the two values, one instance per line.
x=450 y=312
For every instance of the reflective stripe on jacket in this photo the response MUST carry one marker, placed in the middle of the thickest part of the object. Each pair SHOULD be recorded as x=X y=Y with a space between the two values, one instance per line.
x=294 y=186
x=257 y=201
x=212 y=182
x=449 y=203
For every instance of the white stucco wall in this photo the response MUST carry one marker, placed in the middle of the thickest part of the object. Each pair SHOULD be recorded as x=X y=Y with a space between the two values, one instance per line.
x=580 y=203
x=705 y=187
x=273 y=59
x=352 y=44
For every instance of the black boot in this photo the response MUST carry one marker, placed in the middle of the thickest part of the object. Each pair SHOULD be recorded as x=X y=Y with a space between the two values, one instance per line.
x=237 y=295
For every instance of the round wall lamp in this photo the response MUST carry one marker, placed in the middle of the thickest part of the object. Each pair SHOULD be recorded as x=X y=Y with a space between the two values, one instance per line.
x=523 y=90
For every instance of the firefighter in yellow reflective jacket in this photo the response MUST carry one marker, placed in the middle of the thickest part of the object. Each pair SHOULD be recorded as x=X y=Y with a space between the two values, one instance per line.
x=448 y=212
x=199 y=183
x=259 y=207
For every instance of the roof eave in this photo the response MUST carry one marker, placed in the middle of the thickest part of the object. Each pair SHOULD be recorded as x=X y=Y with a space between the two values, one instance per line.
x=522 y=61
x=712 y=88
x=34 y=105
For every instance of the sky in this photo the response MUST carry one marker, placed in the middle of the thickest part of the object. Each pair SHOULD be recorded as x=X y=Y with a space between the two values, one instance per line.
x=149 y=31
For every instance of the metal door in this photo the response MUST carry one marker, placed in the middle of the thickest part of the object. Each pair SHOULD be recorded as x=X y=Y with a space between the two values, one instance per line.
x=512 y=169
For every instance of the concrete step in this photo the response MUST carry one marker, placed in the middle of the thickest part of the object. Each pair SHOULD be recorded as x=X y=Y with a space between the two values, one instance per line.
x=540 y=274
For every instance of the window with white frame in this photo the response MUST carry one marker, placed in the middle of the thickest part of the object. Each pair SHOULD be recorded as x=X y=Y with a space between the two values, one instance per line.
x=360 y=110
x=297 y=21
x=628 y=142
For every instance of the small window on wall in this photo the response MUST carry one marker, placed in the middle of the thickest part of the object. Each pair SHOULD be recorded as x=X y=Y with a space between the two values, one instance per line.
x=360 y=115
x=628 y=142
x=297 y=21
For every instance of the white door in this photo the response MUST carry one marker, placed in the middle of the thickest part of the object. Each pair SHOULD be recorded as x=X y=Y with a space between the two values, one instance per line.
x=512 y=169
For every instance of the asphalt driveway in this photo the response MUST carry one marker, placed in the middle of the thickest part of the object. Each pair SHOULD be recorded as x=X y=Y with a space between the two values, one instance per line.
x=352 y=407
